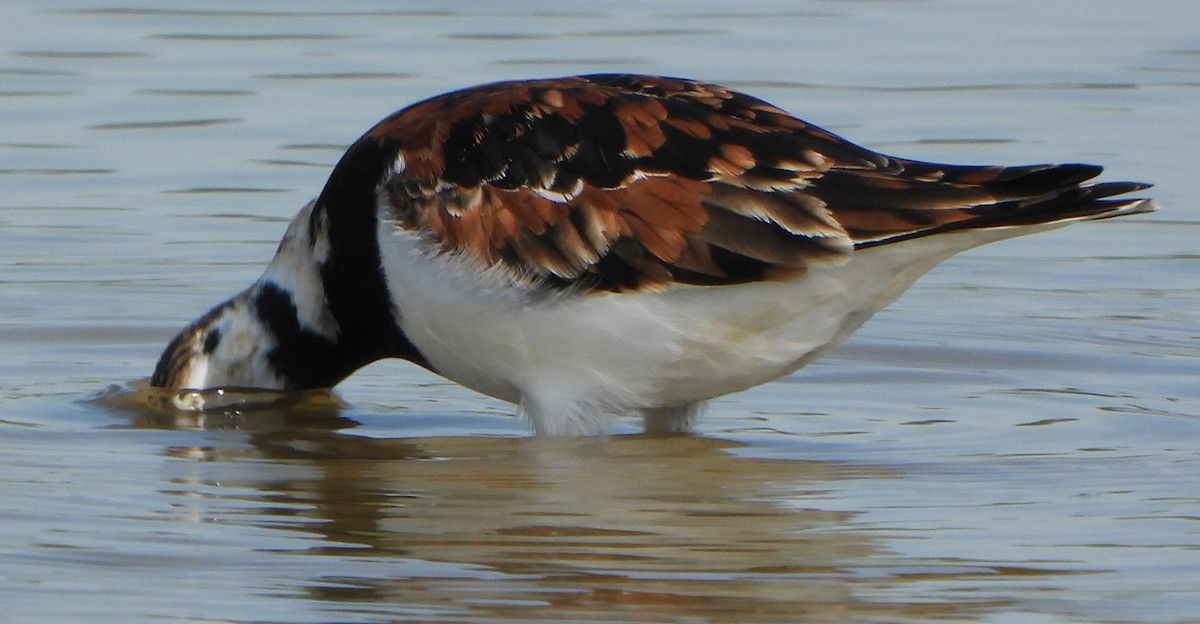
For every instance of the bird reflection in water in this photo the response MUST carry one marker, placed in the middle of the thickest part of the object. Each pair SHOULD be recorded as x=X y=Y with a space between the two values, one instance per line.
x=504 y=528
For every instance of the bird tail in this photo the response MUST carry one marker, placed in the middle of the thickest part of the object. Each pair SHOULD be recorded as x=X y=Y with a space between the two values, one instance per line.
x=913 y=199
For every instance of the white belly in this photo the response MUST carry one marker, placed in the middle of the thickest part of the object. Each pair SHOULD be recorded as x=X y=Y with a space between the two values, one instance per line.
x=645 y=350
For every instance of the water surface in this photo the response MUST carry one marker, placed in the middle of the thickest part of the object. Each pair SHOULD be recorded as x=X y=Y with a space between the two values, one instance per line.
x=1016 y=440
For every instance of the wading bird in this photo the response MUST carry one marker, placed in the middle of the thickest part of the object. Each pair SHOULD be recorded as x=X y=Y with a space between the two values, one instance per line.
x=606 y=245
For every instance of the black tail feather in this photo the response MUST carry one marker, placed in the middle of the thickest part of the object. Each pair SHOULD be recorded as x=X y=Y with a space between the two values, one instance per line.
x=989 y=197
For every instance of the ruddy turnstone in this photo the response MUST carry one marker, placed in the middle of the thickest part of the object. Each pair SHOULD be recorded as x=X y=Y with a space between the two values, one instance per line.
x=604 y=245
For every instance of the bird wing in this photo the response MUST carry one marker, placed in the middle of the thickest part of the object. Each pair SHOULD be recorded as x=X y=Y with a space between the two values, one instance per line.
x=622 y=182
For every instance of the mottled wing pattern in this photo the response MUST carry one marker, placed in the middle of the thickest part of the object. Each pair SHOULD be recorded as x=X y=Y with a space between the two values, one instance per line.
x=619 y=182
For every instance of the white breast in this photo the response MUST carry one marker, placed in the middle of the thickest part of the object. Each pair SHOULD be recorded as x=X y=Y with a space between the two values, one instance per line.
x=626 y=352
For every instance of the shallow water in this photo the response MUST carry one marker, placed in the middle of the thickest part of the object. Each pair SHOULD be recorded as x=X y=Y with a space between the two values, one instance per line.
x=1016 y=440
